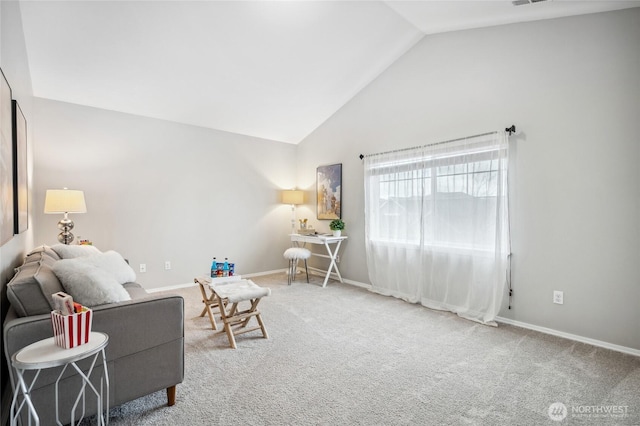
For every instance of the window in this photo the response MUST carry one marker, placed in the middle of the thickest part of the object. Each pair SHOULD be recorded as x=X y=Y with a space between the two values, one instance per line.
x=436 y=226
x=439 y=199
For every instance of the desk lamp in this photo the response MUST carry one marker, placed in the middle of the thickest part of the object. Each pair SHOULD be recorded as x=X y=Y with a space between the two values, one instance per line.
x=64 y=201
x=293 y=197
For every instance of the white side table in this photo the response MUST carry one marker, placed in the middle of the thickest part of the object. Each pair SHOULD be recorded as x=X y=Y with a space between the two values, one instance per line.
x=46 y=354
x=325 y=240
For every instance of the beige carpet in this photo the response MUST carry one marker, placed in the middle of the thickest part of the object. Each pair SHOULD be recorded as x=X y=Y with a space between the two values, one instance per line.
x=341 y=355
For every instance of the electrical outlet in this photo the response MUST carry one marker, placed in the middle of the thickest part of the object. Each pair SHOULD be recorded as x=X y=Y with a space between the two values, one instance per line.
x=167 y=265
x=143 y=267
x=338 y=259
x=558 y=297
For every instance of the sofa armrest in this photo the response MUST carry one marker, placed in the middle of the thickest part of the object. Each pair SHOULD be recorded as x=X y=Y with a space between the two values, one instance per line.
x=132 y=326
x=140 y=324
x=145 y=353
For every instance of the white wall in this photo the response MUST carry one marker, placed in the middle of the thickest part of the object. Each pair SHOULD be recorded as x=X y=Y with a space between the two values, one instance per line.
x=572 y=87
x=159 y=191
x=15 y=65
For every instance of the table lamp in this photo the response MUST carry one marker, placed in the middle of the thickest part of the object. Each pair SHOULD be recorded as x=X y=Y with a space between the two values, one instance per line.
x=64 y=201
x=293 y=197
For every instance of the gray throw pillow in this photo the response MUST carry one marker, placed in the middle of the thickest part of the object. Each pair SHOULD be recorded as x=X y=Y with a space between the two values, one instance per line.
x=88 y=285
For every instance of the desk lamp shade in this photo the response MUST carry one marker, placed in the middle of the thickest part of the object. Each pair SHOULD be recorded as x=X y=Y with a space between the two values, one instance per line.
x=64 y=201
x=293 y=196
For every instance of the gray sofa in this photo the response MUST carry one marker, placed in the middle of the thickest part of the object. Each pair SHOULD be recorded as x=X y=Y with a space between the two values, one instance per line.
x=145 y=353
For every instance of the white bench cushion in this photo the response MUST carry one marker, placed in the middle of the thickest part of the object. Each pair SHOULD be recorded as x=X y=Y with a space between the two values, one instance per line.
x=237 y=291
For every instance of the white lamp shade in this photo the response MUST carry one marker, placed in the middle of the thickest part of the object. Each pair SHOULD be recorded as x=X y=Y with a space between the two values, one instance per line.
x=64 y=201
x=293 y=196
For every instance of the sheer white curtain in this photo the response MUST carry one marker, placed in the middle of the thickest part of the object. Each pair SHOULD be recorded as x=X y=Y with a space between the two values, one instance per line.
x=437 y=224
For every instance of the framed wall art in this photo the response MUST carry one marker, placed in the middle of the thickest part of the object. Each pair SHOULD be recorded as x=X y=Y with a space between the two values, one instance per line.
x=20 y=185
x=329 y=191
x=6 y=163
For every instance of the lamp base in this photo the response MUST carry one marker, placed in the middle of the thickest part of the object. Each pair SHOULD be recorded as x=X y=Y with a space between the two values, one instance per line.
x=65 y=225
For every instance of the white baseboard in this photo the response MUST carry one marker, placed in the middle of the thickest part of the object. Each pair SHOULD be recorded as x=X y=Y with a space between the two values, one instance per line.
x=170 y=287
x=313 y=271
x=357 y=283
x=594 y=342
x=322 y=273
x=257 y=274
x=179 y=286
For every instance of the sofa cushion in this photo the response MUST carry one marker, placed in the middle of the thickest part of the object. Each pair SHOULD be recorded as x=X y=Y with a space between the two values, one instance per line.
x=42 y=253
x=88 y=285
x=30 y=290
x=73 y=251
x=113 y=263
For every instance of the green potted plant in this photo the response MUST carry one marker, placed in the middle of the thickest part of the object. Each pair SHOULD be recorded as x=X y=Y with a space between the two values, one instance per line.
x=336 y=225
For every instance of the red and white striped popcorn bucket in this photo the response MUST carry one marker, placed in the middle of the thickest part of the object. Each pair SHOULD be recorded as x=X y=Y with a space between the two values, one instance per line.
x=70 y=331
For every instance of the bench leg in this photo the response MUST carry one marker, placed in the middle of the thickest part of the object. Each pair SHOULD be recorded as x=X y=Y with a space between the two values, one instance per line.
x=235 y=321
x=171 y=395
x=227 y=319
x=204 y=297
x=209 y=302
x=262 y=327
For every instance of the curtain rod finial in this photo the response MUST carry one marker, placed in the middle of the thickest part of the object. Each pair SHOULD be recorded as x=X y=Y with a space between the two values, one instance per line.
x=361 y=156
x=511 y=129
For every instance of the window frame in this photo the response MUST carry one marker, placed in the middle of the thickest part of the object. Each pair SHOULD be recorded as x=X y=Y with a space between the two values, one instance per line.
x=432 y=163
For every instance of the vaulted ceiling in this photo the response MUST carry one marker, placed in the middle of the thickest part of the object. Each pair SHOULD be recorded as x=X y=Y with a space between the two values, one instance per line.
x=270 y=69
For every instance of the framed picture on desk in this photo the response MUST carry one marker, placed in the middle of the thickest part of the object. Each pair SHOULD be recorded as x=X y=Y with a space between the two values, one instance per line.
x=329 y=191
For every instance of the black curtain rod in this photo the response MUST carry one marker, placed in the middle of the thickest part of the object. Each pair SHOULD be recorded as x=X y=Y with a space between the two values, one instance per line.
x=509 y=130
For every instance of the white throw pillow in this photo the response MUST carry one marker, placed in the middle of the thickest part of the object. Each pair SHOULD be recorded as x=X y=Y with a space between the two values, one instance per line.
x=113 y=263
x=88 y=285
x=71 y=252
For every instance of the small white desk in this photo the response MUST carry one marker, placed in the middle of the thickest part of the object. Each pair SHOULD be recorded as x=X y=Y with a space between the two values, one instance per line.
x=46 y=354
x=327 y=241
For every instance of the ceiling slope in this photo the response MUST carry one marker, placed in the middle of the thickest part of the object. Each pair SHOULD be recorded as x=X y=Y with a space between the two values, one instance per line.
x=274 y=70
x=270 y=69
